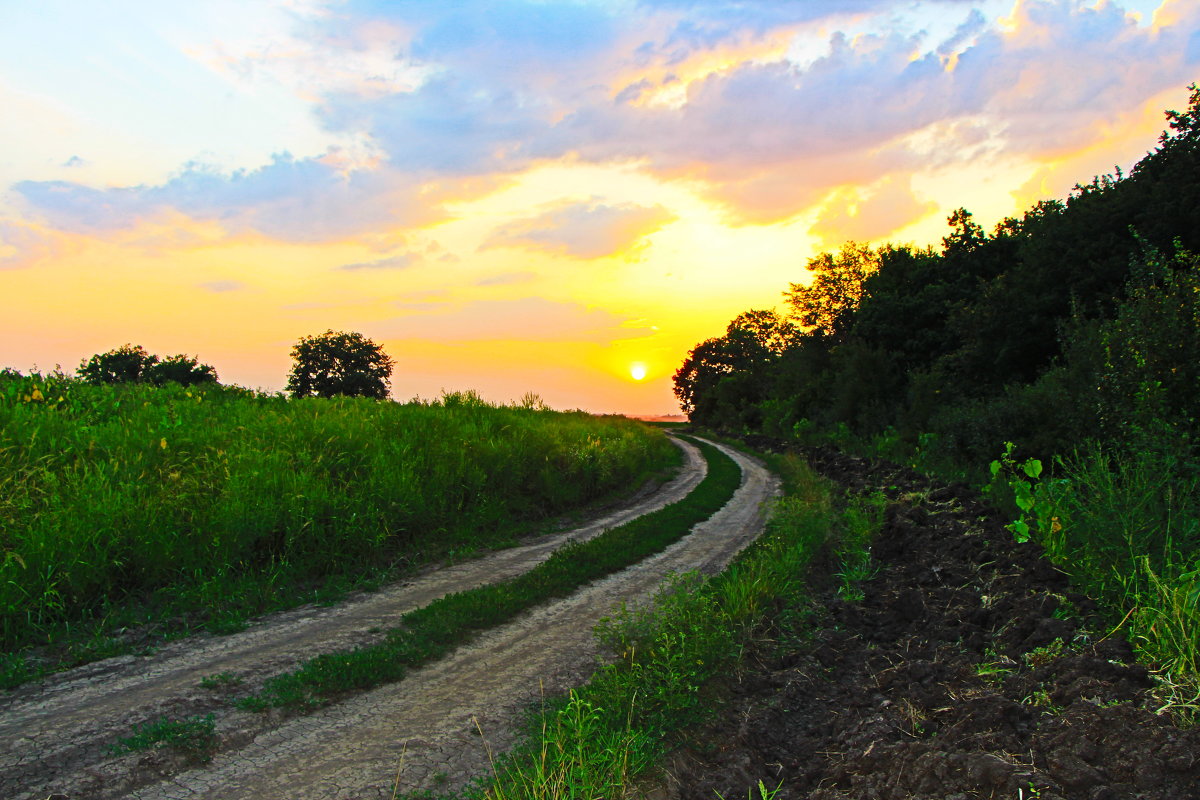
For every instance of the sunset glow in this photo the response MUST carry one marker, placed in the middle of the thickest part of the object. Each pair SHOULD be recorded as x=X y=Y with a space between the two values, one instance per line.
x=550 y=197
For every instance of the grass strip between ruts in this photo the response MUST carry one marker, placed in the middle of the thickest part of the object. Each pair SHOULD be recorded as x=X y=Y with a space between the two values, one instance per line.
x=432 y=631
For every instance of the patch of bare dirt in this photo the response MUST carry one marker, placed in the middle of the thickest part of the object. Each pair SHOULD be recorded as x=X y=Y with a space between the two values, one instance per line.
x=970 y=670
x=54 y=737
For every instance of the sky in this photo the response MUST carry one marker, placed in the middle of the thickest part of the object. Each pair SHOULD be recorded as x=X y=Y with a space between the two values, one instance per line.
x=551 y=196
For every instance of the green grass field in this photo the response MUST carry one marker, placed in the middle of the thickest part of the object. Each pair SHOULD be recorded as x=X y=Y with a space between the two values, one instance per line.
x=219 y=502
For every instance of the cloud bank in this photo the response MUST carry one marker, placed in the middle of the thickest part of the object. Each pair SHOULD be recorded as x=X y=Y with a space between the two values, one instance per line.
x=448 y=98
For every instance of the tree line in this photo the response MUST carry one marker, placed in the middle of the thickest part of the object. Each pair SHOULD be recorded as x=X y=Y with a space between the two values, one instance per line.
x=325 y=365
x=1078 y=320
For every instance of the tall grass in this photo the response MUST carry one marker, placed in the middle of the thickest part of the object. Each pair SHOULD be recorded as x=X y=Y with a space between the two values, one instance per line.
x=201 y=498
x=1126 y=527
x=433 y=630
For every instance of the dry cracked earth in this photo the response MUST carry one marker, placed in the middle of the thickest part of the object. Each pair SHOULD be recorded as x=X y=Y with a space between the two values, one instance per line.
x=433 y=730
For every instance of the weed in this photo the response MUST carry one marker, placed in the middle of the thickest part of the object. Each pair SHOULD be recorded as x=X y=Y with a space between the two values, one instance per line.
x=994 y=668
x=763 y=792
x=15 y=669
x=1037 y=501
x=196 y=737
x=1065 y=608
x=220 y=680
x=1040 y=656
x=1040 y=698
x=860 y=521
x=1126 y=526
x=914 y=717
x=1033 y=792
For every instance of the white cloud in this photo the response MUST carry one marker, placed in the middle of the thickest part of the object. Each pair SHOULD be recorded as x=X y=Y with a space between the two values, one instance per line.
x=223 y=286
x=427 y=100
x=290 y=198
x=584 y=230
x=394 y=262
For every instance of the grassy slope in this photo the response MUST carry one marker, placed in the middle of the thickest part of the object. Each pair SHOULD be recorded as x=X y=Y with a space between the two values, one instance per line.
x=214 y=503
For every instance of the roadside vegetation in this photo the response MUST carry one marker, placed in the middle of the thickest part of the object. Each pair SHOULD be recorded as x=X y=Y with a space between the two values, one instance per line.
x=130 y=503
x=434 y=630
x=1061 y=347
x=670 y=656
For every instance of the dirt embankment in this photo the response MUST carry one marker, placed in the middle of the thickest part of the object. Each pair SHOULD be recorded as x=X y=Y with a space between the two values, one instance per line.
x=970 y=670
x=54 y=736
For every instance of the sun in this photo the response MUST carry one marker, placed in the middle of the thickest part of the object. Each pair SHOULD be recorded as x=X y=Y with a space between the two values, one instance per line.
x=637 y=371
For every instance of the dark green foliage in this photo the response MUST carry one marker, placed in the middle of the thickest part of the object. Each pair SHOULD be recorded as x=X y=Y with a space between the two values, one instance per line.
x=132 y=364
x=1072 y=334
x=1075 y=320
x=125 y=364
x=339 y=363
x=180 y=369
x=723 y=378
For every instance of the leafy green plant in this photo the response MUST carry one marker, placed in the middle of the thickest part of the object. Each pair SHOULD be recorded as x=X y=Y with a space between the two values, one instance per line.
x=1036 y=500
x=194 y=736
x=1040 y=656
x=763 y=792
x=1040 y=698
x=995 y=667
x=16 y=669
x=861 y=519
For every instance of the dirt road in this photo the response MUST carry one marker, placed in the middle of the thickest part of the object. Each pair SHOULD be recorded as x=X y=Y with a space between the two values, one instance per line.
x=54 y=737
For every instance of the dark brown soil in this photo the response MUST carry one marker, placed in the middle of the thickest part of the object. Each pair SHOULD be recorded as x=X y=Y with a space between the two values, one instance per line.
x=970 y=670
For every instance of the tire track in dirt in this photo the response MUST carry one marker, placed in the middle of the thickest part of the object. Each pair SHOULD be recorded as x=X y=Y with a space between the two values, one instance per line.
x=54 y=735
x=425 y=727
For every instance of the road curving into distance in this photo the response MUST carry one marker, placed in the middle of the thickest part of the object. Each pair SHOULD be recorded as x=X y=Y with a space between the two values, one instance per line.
x=423 y=732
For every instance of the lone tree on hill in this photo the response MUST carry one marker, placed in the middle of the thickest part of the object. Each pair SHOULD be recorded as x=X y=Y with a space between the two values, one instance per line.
x=337 y=362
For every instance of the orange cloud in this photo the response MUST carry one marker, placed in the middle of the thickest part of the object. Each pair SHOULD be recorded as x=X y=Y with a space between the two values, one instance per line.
x=587 y=230
x=869 y=213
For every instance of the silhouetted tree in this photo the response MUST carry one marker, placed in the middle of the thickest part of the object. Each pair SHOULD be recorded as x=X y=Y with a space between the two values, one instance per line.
x=125 y=364
x=823 y=305
x=181 y=369
x=727 y=375
x=132 y=364
x=339 y=363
